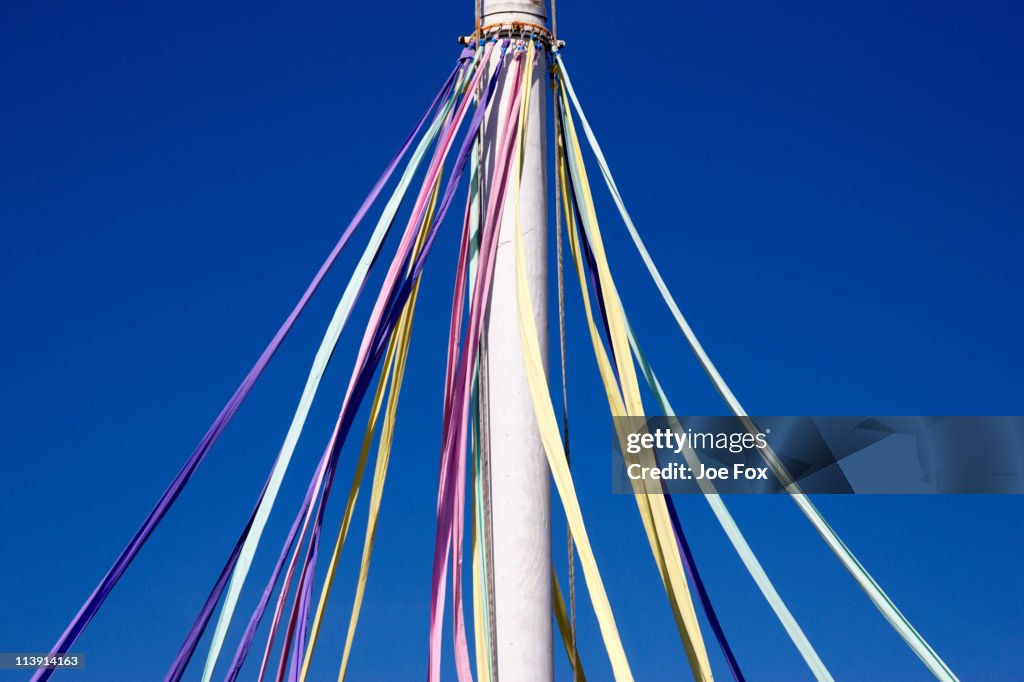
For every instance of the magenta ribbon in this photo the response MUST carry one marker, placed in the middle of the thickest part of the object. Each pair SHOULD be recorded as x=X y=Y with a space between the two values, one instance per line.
x=385 y=315
x=383 y=319
x=451 y=487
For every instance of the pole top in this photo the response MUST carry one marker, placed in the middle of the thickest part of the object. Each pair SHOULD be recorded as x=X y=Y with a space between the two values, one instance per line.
x=514 y=18
x=507 y=11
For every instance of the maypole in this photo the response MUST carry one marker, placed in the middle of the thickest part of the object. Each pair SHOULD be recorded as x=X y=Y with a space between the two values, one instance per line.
x=496 y=396
x=520 y=480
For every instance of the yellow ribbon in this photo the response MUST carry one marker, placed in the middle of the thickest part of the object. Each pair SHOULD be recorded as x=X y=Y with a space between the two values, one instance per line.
x=552 y=442
x=565 y=628
x=394 y=369
x=649 y=498
x=404 y=331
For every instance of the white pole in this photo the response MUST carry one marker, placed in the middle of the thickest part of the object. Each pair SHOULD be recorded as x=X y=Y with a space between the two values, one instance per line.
x=521 y=483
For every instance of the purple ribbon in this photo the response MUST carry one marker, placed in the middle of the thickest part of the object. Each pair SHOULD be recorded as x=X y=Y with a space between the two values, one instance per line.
x=187 y=649
x=364 y=374
x=691 y=570
x=394 y=308
x=257 y=615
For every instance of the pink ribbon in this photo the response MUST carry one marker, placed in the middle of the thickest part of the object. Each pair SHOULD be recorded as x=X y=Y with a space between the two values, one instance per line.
x=452 y=484
x=391 y=281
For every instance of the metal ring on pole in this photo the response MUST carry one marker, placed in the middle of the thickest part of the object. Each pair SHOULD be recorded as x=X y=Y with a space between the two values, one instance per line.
x=516 y=28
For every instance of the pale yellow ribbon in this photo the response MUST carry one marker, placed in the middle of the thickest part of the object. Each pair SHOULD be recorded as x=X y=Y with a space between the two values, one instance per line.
x=552 y=442
x=394 y=368
x=565 y=629
x=649 y=498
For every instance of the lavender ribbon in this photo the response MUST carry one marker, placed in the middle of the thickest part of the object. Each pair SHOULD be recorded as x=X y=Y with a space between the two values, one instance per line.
x=187 y=649
x=389 y=320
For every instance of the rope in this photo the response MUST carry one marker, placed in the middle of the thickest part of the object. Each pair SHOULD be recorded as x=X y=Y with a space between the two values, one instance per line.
x=565 y=393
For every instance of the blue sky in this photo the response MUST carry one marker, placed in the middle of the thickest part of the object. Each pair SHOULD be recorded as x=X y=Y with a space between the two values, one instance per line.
x=833 y=194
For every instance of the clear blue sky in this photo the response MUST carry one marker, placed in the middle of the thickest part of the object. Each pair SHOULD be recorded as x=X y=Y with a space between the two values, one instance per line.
x=833 y=191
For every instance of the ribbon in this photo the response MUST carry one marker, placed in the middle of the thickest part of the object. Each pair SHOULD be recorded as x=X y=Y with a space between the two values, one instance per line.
x=567 y=493
x=301 y=605
x=689 y=564
x=746 y=555
x=739 y=543
x=324 y=353
x=170 y=495
x=451 y=484
x=682 y=545
x=394 y=293
x=878 y=597
x=483 y=612
x=552 y=442
x=565 y=629
x=394 y=359
x=402 y=338
x=649 y=499
x=391 y=300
